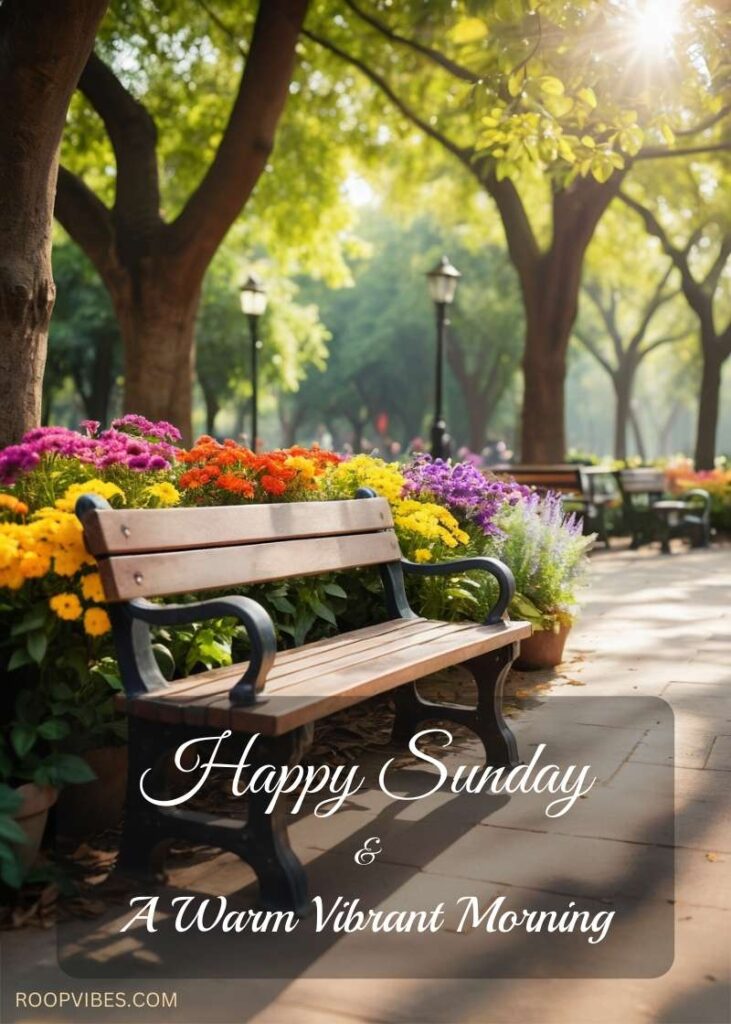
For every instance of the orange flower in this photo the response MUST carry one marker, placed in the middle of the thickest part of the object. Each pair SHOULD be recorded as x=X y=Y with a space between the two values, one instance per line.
x=236 y=485
x=273 y=486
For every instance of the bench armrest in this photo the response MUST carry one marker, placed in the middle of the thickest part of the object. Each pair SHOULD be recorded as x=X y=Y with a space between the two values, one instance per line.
x=499 y=570
x=703 y=497
x=250 y=614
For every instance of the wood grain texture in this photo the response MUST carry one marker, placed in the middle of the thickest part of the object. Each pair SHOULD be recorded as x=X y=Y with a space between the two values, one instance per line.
x=131 y=531
x=313 y=681
x=156 y=575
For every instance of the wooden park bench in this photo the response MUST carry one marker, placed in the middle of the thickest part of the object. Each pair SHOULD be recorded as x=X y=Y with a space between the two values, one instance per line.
x=278 y=696
x=649 y=516
x=589 y=490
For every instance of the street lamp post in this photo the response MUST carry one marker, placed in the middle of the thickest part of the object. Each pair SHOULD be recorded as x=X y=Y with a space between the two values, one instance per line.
x=442 y=282
x=253 y=304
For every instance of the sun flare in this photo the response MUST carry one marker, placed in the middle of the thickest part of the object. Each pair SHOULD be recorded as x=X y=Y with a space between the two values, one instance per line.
x=655 y=25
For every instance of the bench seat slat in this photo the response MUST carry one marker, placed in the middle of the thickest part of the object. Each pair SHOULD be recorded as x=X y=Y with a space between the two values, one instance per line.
x=155 y=575
x=289 y=667
x=131 y=531
x=327 y=684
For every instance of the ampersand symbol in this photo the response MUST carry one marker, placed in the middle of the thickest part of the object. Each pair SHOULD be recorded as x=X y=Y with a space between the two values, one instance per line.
x=369 y=851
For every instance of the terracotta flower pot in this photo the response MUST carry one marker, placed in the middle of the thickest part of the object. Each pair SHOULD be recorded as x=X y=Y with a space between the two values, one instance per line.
x=87 y=808
x=31 y=816
x=544 y=649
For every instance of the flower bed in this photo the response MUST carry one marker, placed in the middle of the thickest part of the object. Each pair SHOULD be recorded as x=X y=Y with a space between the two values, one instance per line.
x=56 y=653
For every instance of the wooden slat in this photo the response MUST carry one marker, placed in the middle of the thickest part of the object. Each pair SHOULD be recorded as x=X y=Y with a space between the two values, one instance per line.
x=128 y=531
x=197 y=712
x=168 y=705
x=316 y=698
x=323 y=680
x=155 y=575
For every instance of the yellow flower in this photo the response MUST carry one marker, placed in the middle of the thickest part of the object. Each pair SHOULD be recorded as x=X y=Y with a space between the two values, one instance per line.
x=304 y=466
x=101 y=487
x=165 y=494
x=34 y=565
x=96 y=622
x=91 y=587
x=68 y=562
x=66 y=606
x=422 y=555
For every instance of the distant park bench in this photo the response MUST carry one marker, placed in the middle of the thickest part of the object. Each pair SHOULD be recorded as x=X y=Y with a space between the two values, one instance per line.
x=589 y=490
x=648 y=516
x=145 y=554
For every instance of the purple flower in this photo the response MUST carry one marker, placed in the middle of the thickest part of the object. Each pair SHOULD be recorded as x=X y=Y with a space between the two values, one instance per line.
x=151 y=450
x=468 y=493
x=134 y=423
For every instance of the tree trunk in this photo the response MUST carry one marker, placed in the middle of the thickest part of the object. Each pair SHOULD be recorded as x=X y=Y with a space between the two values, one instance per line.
x=637 y=431
x=708 y=403
x=550 y=283
x=212 y=409
x=543 y=430
x=157 y=323
x=43 y=49
x=96 y=402
x=622 y=380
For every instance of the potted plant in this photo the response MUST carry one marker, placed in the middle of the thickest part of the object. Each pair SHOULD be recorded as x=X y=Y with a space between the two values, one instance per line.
x=32 y=771
x=547 y=552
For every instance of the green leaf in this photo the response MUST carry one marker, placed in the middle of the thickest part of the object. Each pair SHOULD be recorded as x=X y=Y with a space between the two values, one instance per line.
x=588 y=96
x=551 y=86
x=323 y=611
x=37 y=644
x=11 y=872
x=10 y=799
x=18 y=659
x=11 y=831
x=468 y=30
x=53 y=729
x=67 y=768
x=667 y=133
x=334 y=590
x=164 y=659
x=22 y=737
x=515 y=82
x=283 y=604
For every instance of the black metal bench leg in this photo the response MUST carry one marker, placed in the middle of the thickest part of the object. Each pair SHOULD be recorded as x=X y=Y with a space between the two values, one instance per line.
x=486 y=720
x=144 y=840
x=490 y=672
x=265 y=841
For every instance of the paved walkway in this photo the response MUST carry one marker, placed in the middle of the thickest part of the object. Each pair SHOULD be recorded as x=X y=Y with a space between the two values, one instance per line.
x=652 y=627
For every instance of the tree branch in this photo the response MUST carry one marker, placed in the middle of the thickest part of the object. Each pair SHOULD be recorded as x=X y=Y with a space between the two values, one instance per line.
x=709 y=122
x=248 y=139
x=710 y=281
x=593 y=350
x=660 y=152
x=463 y=154
x=658 y=299
x=692 y=290
x=426 y=51
x=667 y=339
x=89 y=222
x=609 y=316
x=133 y=135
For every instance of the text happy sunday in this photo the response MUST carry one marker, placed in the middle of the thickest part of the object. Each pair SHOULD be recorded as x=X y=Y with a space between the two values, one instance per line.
x=564 y=785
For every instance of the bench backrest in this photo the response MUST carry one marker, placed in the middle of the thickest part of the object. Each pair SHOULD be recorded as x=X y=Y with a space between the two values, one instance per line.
x=642 y=481
x=154 y=552
x=545 y=478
